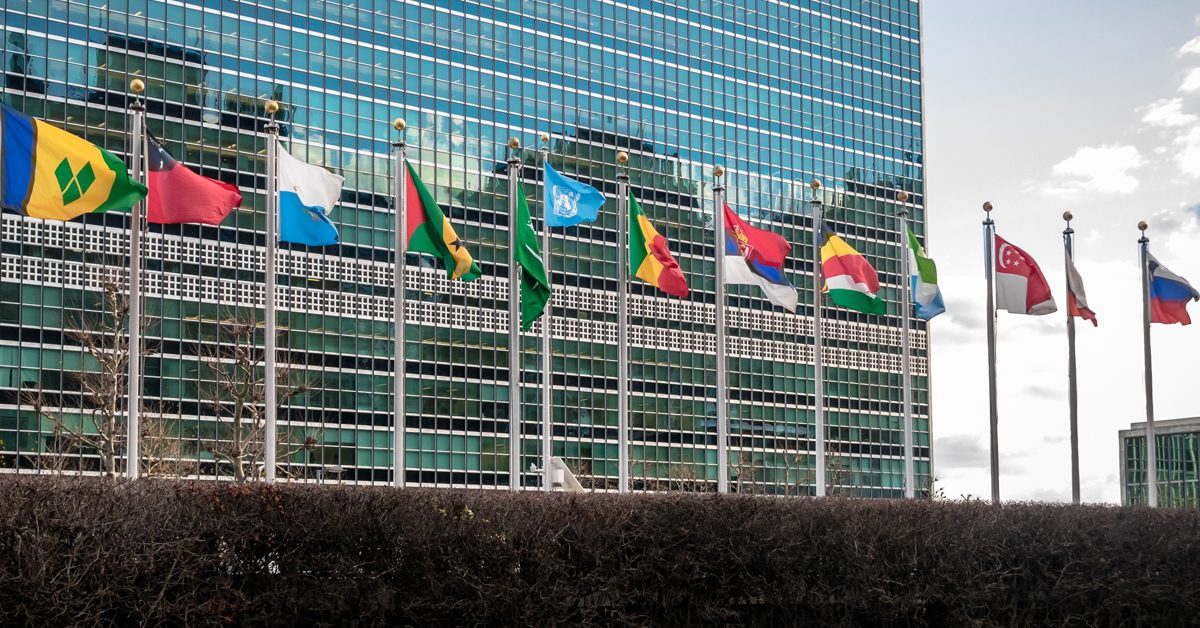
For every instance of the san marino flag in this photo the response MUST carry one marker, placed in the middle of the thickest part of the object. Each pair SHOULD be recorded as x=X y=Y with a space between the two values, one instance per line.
x=307 y=195
x=569 y=202
x=50 y=173
x=926 y=295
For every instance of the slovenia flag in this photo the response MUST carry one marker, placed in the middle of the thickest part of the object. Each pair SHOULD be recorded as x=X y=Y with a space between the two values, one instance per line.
x=306 y=196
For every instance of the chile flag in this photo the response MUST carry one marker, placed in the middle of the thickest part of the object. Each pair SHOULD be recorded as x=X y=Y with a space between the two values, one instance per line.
x=178 y=195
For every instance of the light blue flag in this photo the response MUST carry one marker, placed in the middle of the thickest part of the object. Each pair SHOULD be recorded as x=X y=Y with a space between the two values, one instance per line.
x=307 y=194
x=569 y=202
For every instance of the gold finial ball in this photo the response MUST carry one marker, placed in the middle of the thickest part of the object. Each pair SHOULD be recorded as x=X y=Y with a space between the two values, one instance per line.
x=622 y=157
x=545 y=137
x=814 y=184
x=1142 y=226
x=1068 y=216
x=399 y=124
x=271 y=106
x=514 y=143
x=137 y=86
x=902 y=196
x=987 y=206
x=719 y=171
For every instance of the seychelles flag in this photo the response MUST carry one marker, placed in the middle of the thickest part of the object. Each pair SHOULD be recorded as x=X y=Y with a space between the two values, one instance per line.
x=850 y=280
x=1169 y=295
x=307 y=195
x=755 y=257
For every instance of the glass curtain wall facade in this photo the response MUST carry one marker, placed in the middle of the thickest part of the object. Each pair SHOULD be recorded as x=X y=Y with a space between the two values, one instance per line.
x=1177 y=443
x=778 y=93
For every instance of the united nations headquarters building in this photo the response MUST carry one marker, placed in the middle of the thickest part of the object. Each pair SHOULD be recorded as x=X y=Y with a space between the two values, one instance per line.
x=777 y=93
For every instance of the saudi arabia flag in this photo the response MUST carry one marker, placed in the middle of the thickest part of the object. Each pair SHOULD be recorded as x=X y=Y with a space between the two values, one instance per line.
x=430 y=232
x=535 y=286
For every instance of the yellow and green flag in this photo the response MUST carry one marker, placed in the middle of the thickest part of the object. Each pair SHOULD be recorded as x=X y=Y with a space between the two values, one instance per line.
x=50 y=173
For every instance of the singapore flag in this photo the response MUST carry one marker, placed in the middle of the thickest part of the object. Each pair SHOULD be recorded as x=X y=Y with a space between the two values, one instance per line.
x=1021 y=287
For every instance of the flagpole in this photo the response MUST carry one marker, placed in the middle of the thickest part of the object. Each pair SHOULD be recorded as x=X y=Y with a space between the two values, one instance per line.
x=818 y=366
x=271 y=400
x=910 y=487
x=989 y=242
x=133 y=456
x=514 y=322
x=1072 y=382
x=400 y=363
x=622 y=323
x=547 y=325
x=719 y=259
x=1151 y=445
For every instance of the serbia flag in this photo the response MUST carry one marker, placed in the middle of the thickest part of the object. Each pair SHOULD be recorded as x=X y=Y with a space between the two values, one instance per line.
x=179 y=195
x=1169 y=295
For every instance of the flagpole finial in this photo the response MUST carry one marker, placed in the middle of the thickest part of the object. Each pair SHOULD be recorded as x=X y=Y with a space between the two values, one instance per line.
x=902 y=196
x=623 y=158
x=719 y=171
x=1142 y=226
x=514 y=143
x=271 y=107
x=545 y=137
x=987 y=207
x=137 y=86
x=399 y=124
x=1068 y=216
x=814 y=184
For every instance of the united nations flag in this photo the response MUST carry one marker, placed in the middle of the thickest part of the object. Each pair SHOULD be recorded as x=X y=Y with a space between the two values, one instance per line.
x=50 y=173
x=569 y=202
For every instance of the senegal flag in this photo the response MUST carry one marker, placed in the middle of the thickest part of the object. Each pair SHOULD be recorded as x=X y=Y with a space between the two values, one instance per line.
x=649 y=258
x=850 y=280
x=429 y=231
x=49 y=173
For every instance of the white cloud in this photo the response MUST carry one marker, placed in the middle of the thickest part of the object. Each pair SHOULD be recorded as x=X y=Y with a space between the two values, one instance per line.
x=1190 y=48
x=1191 y=82
x=1167 y=112
x=1104 y=169
x=1187 y=155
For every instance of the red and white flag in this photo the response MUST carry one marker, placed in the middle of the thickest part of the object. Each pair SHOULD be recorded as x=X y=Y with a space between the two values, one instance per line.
x=1021 y=287
x=1076 y=297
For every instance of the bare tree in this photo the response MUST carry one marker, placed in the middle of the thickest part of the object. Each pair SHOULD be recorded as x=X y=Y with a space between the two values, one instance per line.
x=164 y=452
x=105 y=340
x=745 y=467
x=236 y=395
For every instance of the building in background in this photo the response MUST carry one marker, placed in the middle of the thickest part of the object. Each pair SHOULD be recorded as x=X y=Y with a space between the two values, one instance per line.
x=1178 y=442
x=777 y=93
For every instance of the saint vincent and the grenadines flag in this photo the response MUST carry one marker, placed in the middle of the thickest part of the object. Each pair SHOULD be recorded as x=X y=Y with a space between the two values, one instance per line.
x=430 y=232
x=649 y=258
x=850 y=281
x=50 y=173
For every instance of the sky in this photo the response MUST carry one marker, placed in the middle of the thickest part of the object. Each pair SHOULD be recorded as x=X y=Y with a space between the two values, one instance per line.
x=1040 y=108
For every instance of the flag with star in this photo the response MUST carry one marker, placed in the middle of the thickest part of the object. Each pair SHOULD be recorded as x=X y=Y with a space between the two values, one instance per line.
x=430 y=232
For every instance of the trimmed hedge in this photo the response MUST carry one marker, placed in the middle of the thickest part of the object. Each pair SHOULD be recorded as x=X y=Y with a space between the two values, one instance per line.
x=102 y=552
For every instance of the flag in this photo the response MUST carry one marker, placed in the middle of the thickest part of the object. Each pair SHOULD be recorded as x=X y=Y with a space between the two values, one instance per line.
x=1021 y=287
x=570 y=202
x=850 y=281
x=927 y=296
x=430 y=232
x=755 y=257
x=1169 y=295
x=306 y=196
x=649 y=258
x=1077 y=304
x=535 y=286
x=178 y=195
x=50 y=173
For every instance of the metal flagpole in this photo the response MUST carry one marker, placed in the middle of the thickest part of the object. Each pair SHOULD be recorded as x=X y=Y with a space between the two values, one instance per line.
x=910 y=487
x=622 y=323
x=989 y=243
x=514 y=322
x=133 y=456
x=1151 y=445
x=818 y=366
x=1072 y=381
x=719 y=259
x=400 y=364
x=547 y=325
x=270 y=437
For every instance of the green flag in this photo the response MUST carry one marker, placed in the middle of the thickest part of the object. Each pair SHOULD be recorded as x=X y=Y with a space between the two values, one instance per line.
x=535 y=286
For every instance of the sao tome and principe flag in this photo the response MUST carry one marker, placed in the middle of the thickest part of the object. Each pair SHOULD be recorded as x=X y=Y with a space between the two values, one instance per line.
x=850 y=280
x=755 y=257
x=50 y=173
x=307 y=194
x=1169 y=295
x=569 y=201
x=1021 y=288
x=649 y=258
x=926 y=295
x=430 y=232
x=535 y=286
x=179 y=195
